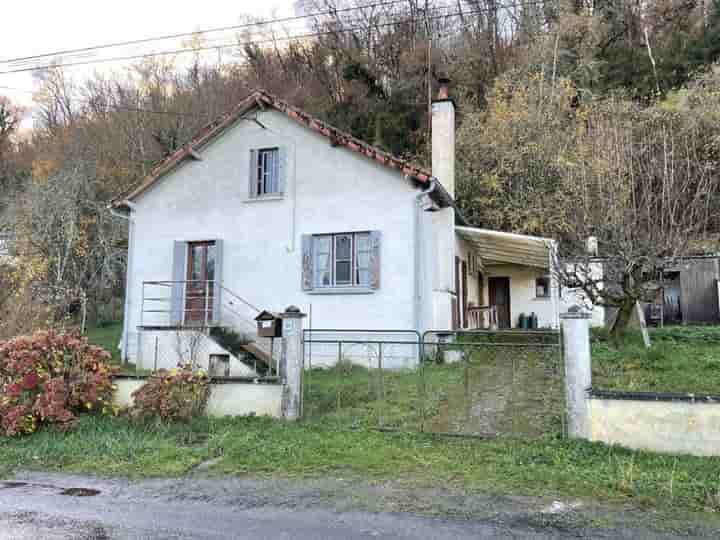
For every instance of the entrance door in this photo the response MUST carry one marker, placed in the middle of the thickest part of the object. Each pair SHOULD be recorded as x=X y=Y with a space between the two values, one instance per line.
x=200 y=283
x=499 y=291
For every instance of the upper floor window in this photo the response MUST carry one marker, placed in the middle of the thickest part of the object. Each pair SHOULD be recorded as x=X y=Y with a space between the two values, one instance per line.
x=266 y=172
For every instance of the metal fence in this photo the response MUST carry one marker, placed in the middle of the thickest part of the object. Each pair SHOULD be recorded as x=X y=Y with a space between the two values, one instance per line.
x=477 y=383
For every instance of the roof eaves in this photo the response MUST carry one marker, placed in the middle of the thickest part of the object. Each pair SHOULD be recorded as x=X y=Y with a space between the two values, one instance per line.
x=260 y=99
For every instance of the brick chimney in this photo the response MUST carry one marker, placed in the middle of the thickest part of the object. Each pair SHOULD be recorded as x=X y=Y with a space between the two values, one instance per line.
x=443 y=137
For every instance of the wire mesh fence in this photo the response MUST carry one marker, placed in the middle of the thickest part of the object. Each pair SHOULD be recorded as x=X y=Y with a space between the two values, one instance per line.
x=461 y=383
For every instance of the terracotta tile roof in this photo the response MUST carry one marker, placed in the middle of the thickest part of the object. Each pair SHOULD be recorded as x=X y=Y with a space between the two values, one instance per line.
x=261 y=99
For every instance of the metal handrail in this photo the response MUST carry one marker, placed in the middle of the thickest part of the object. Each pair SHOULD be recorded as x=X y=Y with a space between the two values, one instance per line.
x=208 y=285
x=240 y=298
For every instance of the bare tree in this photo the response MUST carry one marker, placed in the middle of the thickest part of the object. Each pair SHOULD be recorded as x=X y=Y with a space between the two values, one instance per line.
x=647 y=197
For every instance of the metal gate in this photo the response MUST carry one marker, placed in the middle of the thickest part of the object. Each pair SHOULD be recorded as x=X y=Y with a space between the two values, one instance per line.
x=471 y=383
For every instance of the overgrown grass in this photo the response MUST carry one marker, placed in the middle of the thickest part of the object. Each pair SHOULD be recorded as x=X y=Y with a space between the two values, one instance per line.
x=545 y=466
x=108 y=337
x=497 y=391
x=258 y=446
x=105 y=446
x=681 y=359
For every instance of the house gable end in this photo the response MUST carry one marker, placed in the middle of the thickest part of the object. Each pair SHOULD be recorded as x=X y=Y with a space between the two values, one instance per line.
x=261 y=101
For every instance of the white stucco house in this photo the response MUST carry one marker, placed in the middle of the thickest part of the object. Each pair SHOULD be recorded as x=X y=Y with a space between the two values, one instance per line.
x=269 y=207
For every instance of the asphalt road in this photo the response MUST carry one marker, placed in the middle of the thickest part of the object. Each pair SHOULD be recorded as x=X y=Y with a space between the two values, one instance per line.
x=39 y=507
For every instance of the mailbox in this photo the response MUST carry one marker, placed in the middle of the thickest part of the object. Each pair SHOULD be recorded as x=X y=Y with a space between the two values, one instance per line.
x=269 y=324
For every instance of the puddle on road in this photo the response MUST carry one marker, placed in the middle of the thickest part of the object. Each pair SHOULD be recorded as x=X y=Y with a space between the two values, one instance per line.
x=70 y=492
x=80 y=492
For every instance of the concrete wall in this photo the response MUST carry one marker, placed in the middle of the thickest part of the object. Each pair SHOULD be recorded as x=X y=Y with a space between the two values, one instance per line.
x=675 y=427
x=233 y=398
x=183 y=346
x=328 y=189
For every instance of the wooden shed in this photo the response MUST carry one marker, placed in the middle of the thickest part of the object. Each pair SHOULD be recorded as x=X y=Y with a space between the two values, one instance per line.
x=691 y=291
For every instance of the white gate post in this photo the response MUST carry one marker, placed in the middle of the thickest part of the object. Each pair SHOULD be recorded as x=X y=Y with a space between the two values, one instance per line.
x=291 y=362
x=578 y=371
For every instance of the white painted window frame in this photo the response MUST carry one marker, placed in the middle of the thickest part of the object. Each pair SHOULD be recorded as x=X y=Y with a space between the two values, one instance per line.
x=354 y=264
x=267 y=175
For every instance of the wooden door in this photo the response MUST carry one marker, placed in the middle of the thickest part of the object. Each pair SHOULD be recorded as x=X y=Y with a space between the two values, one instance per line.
x=499 y=291
x=200 y=284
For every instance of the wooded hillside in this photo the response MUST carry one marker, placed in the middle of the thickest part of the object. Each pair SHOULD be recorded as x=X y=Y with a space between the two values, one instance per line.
x=576 y=117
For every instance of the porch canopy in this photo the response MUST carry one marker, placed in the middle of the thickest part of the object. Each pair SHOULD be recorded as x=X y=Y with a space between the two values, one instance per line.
x=495 y=247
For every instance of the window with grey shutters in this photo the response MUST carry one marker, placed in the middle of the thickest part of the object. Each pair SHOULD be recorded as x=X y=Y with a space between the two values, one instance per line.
x=267 y=172
x=341 y=261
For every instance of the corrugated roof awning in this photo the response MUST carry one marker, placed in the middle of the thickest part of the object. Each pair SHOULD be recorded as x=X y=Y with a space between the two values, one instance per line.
x=495 y=247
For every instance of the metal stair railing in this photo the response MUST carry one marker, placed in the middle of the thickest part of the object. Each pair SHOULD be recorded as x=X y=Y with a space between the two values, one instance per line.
x=235 y=312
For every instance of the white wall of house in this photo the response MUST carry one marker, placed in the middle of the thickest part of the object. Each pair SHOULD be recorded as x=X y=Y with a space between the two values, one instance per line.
x=328 y=190
x=168 y=348
x=523 y=297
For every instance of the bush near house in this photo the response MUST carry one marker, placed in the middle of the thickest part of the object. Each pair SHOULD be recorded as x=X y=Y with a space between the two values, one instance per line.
x=50 y=378
x=176 y=395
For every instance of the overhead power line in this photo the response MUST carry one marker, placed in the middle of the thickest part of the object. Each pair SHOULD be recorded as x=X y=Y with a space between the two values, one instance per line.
x=251 y=42
x=197 y=32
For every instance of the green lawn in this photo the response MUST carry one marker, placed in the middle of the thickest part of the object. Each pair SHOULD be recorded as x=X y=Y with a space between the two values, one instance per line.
x=348 y=398
x=107 y=337
x=256 y=446
x=681 y=359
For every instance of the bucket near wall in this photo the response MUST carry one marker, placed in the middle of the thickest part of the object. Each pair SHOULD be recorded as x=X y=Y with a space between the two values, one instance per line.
x=533 y=321
x=522 y=321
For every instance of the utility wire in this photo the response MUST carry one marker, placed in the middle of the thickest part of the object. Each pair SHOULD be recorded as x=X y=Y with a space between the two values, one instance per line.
x=197 y=32
x=249 y=42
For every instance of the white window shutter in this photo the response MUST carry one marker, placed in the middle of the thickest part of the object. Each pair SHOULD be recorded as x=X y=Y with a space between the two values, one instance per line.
x=307 y=262
x=217 y=286
x=178 y=277
x=282 y=168
x=253 y=174
x=375 y=245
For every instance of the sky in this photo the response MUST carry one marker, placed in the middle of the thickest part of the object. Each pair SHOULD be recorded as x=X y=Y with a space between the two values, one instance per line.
x=31 y=28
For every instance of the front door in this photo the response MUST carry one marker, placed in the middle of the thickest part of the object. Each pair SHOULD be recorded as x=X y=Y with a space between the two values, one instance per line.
x=499 y=291
x=200 y=284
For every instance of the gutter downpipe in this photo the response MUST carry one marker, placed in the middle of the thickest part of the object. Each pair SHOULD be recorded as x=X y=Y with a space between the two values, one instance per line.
x=419 y=266
x=128 y=273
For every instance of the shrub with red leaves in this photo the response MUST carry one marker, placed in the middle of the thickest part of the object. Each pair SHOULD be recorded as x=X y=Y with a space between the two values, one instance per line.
x=177 y=395
x=49 y=378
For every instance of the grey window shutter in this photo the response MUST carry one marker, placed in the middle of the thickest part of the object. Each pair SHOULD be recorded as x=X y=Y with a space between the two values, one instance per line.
x=375 y=241
x=177 y=288
x=217 y=286
x=253 y=174
x=282 y=169
x=307 y=262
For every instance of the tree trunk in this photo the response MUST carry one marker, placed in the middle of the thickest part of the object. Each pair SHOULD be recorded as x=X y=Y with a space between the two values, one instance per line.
x=625 y=312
